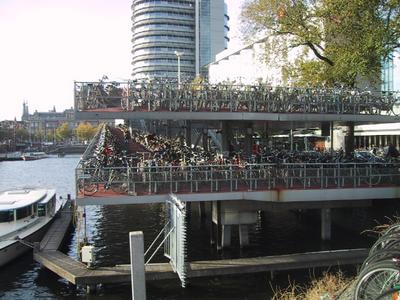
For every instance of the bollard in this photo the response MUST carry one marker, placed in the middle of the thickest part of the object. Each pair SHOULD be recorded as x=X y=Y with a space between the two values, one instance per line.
x=138 y=279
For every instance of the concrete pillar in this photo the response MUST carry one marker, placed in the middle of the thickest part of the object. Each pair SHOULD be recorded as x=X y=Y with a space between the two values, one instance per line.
x=91 y=289
x=188 y=133
x=248 y=140
x=138 y=279
x=349 y=144
x=326 y=224
x=243 y=235
x=226 y=135
x=205 y=139
x=219 y=225
x=212 y=224
x=331 y=135
x=202 y=210
x=226 y=235
x=291 y=139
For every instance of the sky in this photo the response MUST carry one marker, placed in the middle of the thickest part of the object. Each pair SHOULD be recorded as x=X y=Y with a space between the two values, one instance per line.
x=46 y=45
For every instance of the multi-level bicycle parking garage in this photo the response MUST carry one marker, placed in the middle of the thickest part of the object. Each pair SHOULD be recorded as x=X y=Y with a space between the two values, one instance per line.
x=202 y=112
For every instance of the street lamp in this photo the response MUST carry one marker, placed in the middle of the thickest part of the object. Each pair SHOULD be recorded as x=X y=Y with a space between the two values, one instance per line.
x=179 y=54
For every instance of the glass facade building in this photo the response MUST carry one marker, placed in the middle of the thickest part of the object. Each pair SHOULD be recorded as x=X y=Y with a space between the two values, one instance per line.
x=390 y=76
x=196 y=28
x=387 y=75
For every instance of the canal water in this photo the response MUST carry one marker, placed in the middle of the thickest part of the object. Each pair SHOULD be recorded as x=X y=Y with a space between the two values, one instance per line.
x=108 y=228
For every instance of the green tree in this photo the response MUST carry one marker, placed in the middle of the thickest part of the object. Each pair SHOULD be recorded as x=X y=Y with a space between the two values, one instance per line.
x=21 y=134
x=85 y=131
x=5 y=134
x=342 y=39
x=63 y=132
x=39 y=136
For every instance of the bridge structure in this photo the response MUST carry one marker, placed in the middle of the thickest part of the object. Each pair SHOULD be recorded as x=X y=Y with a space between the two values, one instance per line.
x=232 y=194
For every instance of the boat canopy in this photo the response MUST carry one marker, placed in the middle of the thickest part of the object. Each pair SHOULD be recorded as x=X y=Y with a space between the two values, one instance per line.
x=22 y=198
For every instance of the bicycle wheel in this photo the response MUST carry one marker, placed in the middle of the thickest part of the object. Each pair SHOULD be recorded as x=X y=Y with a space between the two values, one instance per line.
x=119 y=184
x=383 y=242
x=394 y=228
x=375 y=280
x=87 y=187
x=381 y=255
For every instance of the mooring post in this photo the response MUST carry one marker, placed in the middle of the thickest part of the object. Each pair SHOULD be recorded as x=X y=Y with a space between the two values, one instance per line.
x=138 y=279
x=326 y=224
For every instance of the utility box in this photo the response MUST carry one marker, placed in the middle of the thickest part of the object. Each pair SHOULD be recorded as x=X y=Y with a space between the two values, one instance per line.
x=88 y=254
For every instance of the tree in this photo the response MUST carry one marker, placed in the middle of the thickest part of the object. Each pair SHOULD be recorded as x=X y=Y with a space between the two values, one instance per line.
x=85 y=131
x=341 y=39
x=39 y=135
x=5 y=134
x=21 y=134
x=63 y=132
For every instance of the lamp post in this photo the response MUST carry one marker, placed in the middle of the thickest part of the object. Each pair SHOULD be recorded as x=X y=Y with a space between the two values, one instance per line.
x=179 y=54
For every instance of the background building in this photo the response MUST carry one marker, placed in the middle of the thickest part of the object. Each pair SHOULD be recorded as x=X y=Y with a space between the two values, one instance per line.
x=195 y=30
x=45 y=123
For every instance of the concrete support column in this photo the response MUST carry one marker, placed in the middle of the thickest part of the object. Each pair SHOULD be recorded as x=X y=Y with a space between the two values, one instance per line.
x=331 y=135
x=202 y=209
x=291 y=139
x=226 y=135
x=243 y=235
x=91 y=289
x=248 y=140
x=326 y=224
x=138 y=279
x=219 y=226
x=349 y=142
x=188 y=133
x=205 y=139
x=226 y=235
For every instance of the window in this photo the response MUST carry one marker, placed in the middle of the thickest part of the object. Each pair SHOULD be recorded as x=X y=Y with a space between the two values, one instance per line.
x=6 y=216
x=24 y=212
x=41 y=210
x=387 y=75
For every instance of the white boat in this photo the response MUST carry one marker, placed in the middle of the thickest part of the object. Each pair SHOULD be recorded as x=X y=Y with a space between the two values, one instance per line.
x=24 y=218
x=34 y=155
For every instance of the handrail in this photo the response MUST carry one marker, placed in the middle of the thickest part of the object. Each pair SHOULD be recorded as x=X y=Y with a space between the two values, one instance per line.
x=165 y=96
x=219 y=178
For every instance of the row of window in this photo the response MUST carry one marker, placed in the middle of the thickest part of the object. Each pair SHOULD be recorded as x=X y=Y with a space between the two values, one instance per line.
x=147 y=27
x=23 y=212
x=170 y=38
x=162 y=60
x=163 y=14
x=161 y=50
x=161 y=74
x=189 y=3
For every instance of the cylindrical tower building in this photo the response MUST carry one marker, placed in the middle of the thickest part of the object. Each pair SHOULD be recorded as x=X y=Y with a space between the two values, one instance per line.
x=160 y=28
x=197 y=29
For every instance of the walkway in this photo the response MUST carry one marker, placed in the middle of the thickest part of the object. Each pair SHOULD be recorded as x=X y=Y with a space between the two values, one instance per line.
x=77 y=273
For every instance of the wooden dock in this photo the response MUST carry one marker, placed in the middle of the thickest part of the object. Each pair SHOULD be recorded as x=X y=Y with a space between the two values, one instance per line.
x=77 y=273
x=56 y=233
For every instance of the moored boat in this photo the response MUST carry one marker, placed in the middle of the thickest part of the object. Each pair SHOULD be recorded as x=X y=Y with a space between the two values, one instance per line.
x=34 y=155
x=10 y=156
x=24 y=218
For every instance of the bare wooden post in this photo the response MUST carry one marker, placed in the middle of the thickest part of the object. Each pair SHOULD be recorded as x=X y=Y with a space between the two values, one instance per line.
x=138 y=279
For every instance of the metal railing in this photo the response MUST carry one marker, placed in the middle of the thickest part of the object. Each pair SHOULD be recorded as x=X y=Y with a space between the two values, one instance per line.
x=230 y=178
x=133 y=96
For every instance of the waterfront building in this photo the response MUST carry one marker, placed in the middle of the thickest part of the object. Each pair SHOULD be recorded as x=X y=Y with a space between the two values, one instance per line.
x=193 y=31
x=46 y=123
